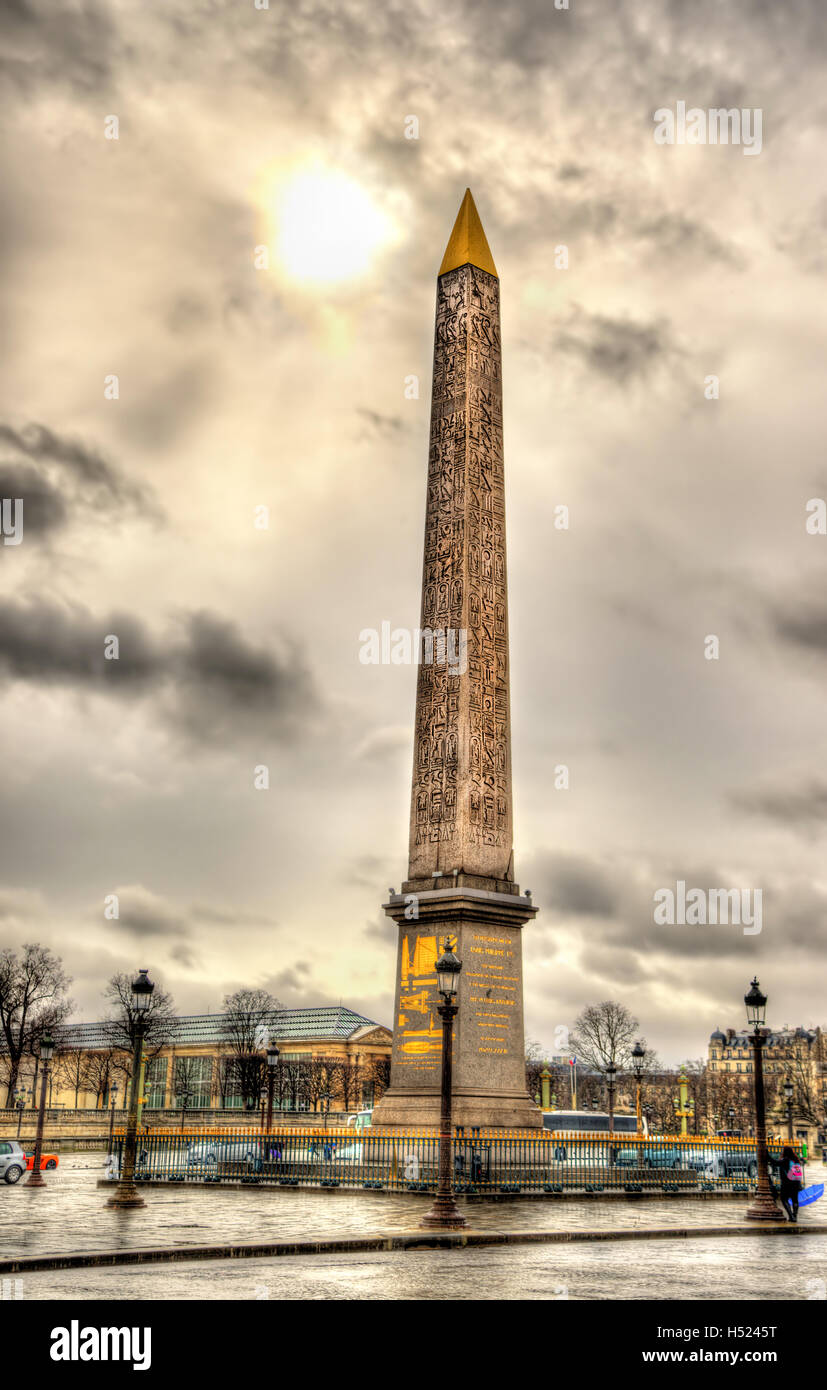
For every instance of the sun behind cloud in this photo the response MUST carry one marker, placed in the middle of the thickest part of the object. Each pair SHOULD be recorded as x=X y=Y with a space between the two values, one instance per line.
x=325 y=226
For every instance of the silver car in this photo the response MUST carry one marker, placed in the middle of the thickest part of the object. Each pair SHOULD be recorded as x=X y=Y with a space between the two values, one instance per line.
x=210 y=1152
x=12 y=1160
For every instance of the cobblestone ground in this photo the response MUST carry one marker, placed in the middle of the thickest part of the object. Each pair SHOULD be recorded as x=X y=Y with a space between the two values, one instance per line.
x=776 y=1268
x=72 y=1215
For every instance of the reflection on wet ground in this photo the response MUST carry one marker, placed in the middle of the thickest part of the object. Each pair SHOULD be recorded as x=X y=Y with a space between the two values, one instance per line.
x=72 y=1215
x=777 y=1268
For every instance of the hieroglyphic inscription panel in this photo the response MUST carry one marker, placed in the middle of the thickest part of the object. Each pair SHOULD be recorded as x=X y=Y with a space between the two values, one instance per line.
x=461 y=797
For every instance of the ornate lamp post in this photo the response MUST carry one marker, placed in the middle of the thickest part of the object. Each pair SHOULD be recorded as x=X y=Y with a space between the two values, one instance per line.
x=35 y=1178
x=20 y=1104
x=684 y=1107
x=611 y=1073
x=127 y=1195
x=763 y=1208
x=545 y=1088
x=113 y=1091
x=788 y=1097
x=638 y=1054
x=272 y=1063
x=444 y=1211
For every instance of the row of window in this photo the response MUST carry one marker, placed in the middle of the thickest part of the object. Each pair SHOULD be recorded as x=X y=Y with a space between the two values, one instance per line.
x=201 y=1095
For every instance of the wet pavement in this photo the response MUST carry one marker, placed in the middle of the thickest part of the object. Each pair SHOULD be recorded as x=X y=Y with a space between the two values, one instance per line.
x=71 y=1215
x=778 y=1268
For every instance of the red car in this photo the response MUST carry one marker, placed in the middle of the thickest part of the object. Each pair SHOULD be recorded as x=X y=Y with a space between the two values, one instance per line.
x=46 y=1161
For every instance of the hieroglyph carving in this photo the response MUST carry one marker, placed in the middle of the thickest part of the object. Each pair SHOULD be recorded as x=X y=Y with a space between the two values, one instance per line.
x=461 y=801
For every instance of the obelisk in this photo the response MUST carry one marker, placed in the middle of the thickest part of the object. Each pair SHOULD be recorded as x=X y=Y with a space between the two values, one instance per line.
x=461 y=866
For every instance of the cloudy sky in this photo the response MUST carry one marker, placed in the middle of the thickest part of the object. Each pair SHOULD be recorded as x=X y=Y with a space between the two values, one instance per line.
x=248 y=381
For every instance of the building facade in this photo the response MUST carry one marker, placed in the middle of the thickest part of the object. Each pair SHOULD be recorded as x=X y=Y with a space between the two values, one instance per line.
x=330 y=1059
x=797 y=1055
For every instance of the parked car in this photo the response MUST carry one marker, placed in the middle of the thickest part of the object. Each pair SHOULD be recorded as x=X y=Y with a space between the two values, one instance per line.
x=728 y=1161
x=700 y=1160
x=210 y=1152
x=662 y=1158
x=46 y=1161
x=12 y=1160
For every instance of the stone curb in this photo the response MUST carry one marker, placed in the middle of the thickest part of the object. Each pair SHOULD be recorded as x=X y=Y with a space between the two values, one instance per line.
x=573 y=1194
x=404 y=1240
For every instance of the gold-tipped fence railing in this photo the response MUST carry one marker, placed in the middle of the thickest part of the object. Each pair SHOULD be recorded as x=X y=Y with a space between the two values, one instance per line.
x=493 y=1161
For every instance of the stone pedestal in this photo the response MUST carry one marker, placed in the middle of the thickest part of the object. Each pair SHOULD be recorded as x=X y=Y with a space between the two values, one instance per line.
x=489 y=1060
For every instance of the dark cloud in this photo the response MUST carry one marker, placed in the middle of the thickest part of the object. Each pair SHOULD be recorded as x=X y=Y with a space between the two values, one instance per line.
x=44 y=510
x=48 y=47
x=54 y=644
x=618 y=349
x=377 y=425
x=572 y=886
x=69 y=479
x=212 y=678
x=677 y=235
x=802 y=624
x=805 y=240
x=146 y=915
x=804 y=804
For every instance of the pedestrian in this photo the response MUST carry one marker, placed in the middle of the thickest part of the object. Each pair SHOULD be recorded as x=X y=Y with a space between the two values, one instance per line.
x=790 y=1170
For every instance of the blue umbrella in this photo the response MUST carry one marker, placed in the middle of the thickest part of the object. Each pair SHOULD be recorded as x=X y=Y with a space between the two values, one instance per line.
x=810 y=1194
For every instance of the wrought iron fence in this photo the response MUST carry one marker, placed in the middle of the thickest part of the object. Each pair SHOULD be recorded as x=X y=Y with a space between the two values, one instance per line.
x=492 y=1161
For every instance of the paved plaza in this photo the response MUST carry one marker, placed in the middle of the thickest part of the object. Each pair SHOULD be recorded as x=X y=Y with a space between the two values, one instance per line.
x=71 y=1215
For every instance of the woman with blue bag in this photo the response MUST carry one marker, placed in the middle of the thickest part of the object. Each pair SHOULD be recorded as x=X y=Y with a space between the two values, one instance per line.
x=791 y=1173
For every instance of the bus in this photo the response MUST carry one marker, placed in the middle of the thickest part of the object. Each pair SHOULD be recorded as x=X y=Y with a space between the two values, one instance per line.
x=591 y=1122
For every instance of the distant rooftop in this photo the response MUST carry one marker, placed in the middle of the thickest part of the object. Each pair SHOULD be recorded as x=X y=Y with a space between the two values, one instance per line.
x=288 y=1025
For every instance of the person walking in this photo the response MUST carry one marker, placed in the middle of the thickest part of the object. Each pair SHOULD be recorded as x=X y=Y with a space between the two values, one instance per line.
x=790 y=1170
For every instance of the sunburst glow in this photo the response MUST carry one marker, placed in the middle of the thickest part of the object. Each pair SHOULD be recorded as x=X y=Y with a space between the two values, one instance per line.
x=326 y=227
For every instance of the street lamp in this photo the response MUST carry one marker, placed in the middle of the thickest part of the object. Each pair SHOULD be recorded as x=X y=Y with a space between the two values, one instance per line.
x=127 y=1196
x=20 y=1103
x=444 y=1211
x=611 y=1073
x=763 y=1208
x=684 y=1107
x=47 y=1048
x=325 y=1098
x=545 y=1088
x=113 y=1091
x=638 y=1054
x=788 y=1097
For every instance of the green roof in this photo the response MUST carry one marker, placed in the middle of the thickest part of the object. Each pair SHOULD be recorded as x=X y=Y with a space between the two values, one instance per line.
x=288 y=1025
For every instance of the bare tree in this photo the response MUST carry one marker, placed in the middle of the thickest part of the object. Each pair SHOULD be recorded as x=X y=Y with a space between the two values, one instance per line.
x=352 y=1077
x=604 y=1033
x=187 y=1082
x=71 y=1070
x=32 y=1002
x=379 y=1075
x=120 y=1027
x=247 y=1024
x=102 y=1067
x=322 y=1074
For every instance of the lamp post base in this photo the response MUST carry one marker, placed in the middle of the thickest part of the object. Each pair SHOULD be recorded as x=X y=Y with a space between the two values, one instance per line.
x=764 y=1208
x=126 y=1198
x=35 y=1179
x=444 y=1213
